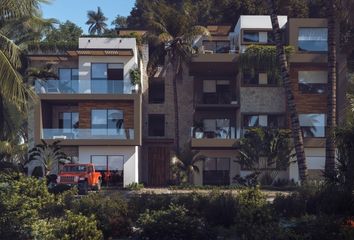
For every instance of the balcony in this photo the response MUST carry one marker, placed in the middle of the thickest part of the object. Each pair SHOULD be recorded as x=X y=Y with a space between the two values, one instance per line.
x=219 y=138
x=88 y=134
x=216 y=100
x=83 y=87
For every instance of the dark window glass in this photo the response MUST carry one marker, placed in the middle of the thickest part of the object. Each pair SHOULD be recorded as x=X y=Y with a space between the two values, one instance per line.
x=156 y=92
x=276 y=121
x=250 y=76
x=156 y=124
x=313 y=88
x=68 y=121
x=250 y=36
x=216 y=171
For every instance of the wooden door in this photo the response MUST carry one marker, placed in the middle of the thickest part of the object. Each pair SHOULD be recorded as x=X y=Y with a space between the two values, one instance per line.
x=158 y=166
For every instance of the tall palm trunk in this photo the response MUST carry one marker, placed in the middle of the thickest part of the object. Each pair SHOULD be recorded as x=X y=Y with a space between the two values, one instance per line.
x=331 y=93
x=2 y=119
x=176 y=111
x=294 y=118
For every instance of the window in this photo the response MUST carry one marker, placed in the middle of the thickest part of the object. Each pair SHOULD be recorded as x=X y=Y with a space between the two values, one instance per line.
x=68 y=80
x=216 y=92
x=156 y=124
x=107 y=77
x=258 y=77
x=313 y=39
x=217 y=46
x=107 y=121
x=217 y=128
x=313 y=81
x=216 y=171
x=111 y=168
x=312 y=125
x=272 y=121
x=68 y=121
x=156 y=91
x=68 y=74
x=249 y=36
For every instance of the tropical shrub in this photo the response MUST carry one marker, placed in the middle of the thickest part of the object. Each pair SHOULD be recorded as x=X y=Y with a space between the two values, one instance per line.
x=76 y=226
x=111 y=213
x=173 y=223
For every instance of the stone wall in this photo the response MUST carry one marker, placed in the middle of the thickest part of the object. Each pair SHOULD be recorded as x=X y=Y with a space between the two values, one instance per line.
x=262 y=100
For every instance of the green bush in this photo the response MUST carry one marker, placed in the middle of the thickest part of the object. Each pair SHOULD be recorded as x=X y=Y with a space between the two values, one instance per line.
x=135 y=186
x=221 y=209
x=111 y=213
x=172 y=224
x=76 y=226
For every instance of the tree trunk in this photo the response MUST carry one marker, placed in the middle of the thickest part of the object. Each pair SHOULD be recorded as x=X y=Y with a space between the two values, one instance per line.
x=331 y=90
x=175 y=63
x=176 y=110
x=294 y=118
x=2 y=119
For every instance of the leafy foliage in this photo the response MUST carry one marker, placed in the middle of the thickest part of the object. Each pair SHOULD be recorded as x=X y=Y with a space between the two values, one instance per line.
x=47 y=155
x=266 y=149
x=111 y=213
x=185 y=164
x=67 y=32
x=173 y=223
x=96 y=21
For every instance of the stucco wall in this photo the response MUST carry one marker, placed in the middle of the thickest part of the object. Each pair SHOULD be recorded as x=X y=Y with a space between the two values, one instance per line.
x=262 y=99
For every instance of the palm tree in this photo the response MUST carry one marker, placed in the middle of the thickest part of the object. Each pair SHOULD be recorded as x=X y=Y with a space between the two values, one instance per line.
x=18 y=21
x=96 y=20
x=294 y=118
x=272 y=145
x=331 y=93
x=47 y=155
x=174 y=30
x=186 y=164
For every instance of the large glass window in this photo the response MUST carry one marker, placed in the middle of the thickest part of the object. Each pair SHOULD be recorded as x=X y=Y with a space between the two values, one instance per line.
x=107 y=121
x=68 y=121
x=216 y=171
x=312 y=81
x=111 y=168
x=156 y=124
x=107 y=77
x=217 y=92
x=313 y=39
x=272 y=121
x=68 y=80
x=313 y=125
x=217 y=46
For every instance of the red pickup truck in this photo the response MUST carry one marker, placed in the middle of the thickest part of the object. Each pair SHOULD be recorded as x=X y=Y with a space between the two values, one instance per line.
x=84 y=176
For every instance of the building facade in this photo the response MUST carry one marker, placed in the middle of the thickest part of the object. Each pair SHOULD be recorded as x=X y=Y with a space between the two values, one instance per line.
x=95 y=112
x=91 y=107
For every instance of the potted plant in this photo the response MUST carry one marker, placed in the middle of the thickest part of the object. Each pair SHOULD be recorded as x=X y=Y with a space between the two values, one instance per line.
x=135 y=78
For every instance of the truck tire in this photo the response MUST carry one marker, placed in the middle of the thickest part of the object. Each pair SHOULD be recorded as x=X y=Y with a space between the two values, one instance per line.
x=97 y=187
x=83 y=188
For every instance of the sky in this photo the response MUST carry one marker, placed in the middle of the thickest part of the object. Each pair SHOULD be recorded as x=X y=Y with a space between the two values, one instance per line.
x=76 y=10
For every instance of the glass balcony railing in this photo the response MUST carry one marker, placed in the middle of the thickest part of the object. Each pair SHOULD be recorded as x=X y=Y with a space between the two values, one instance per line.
x=84 y=86
x=84 y=134
x=219 y=133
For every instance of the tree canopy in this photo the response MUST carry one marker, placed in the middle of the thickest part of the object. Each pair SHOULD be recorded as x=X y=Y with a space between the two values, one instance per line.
x=66 y=32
